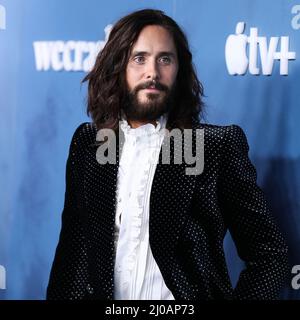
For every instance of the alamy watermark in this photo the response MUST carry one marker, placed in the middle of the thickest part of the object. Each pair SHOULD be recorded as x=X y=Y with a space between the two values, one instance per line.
x=187 y=147
x=295 y=22
x=296 y=279
x=2 y=18
x=2 y=277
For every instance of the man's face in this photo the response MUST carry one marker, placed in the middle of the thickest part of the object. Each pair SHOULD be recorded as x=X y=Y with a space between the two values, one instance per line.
x=153 y=57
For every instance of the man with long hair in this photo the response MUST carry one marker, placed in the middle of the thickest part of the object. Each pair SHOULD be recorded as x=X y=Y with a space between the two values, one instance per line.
x=141 y=229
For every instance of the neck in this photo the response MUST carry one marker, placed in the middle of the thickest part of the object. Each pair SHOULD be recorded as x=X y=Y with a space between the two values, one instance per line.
x=135 y=124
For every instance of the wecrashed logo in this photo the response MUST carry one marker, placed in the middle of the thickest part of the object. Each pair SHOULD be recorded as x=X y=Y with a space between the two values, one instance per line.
x=2 y=277
x=2 y=18
x=68 y=55
x=238 y=61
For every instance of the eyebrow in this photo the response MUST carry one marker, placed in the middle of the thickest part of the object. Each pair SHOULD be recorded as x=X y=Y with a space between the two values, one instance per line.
x=145 y=53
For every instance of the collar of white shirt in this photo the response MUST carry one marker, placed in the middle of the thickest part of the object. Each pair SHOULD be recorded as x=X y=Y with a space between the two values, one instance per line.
x=145 y=129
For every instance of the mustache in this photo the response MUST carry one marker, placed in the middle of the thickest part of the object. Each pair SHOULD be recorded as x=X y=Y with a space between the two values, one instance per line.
x=150 y=84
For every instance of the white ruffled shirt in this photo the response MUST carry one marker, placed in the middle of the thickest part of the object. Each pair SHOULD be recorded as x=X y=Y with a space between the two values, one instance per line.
x=136 y=274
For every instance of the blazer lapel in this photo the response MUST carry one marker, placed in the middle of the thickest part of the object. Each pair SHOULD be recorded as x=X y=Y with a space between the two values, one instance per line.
x=100 y=194
x=170 y=203
x=170 y=210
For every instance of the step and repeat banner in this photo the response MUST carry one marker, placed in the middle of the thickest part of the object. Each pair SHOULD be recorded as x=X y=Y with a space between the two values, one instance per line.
x=247 y=55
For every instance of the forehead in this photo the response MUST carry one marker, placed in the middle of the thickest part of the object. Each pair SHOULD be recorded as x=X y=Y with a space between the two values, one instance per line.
x=154 y=38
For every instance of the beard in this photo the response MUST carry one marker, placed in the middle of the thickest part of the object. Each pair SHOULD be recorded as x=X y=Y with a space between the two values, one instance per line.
x=156 y=104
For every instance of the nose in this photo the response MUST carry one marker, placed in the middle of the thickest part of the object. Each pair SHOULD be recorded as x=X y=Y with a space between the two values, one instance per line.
x=152 y=72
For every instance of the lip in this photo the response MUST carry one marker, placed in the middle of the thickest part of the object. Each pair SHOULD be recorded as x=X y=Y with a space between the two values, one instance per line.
x=152 y=89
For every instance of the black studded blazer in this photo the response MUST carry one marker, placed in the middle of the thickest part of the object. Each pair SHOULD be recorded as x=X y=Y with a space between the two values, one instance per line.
x=189 y=216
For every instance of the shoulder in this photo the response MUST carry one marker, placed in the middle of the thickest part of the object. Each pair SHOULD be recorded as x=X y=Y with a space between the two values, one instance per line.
x=224 y=135
x=85 y=134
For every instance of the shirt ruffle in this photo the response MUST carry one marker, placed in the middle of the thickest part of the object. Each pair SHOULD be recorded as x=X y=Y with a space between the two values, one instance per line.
x=138 y=142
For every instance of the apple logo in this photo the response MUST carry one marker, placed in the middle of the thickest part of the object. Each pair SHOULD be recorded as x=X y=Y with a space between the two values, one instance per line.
x=235 y=51
x=2 y=278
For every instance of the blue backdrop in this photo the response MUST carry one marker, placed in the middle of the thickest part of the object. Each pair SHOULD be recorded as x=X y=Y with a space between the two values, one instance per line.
x=45 y=49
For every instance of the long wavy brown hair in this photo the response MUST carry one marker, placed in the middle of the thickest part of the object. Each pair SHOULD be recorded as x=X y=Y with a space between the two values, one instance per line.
x=107 y=88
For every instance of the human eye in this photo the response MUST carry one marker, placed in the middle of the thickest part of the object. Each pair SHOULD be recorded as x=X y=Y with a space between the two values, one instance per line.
x=139 y=59
x=165 y=60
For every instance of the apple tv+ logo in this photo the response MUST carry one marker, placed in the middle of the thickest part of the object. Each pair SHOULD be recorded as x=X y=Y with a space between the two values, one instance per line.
x=238 y=45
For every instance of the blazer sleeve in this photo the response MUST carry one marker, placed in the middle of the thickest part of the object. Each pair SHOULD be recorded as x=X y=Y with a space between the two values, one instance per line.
x=257 y=238
x=68 y=277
